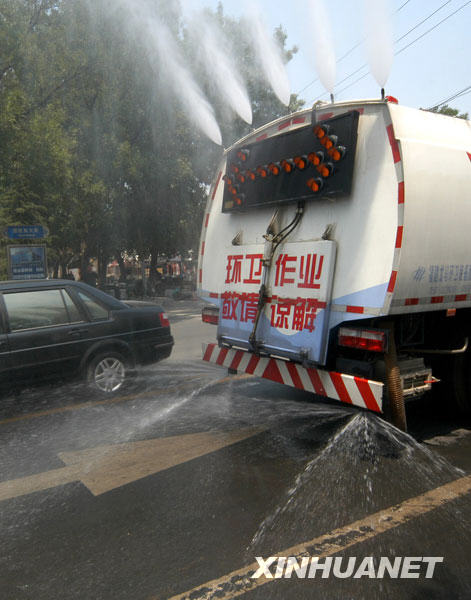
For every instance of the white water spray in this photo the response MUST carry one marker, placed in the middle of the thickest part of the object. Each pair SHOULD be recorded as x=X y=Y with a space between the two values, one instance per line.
x=138 y=20
x=184 y=86
x=268 y=56
x=219 y=67
x=379 y=42
x=322 y=44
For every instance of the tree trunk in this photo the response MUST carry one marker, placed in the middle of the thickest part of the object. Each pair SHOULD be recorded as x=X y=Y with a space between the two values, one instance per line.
x=122 y=268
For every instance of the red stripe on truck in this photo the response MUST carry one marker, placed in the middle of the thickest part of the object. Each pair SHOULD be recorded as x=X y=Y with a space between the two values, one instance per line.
x=394 y=144
x=400 y=192
x=272 y=372
x=236 y=360
x=400 y=230
x=284 y=125
x=316 y=382
x=339 y=385
x=295 y=375
x=356 y=309
x=222 y=355
x=392 y=281
x=367 y=394
x=253 y=362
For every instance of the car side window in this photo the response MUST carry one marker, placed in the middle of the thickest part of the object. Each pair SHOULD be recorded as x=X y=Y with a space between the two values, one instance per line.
x=74 y=313
x=28 y=310
x=96 y=310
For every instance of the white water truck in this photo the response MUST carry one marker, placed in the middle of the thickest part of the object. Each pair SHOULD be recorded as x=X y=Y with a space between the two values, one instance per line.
x=335 y=255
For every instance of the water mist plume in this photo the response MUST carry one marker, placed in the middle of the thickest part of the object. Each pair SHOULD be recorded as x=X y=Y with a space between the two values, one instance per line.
x=138 y=20
x=379 y=43
x=268 y=56
x=220 y=68
x=186 y=89
x=322 y=43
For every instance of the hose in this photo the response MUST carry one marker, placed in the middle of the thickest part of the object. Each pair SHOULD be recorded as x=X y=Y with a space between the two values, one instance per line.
x=275 y=240
x=394 y=383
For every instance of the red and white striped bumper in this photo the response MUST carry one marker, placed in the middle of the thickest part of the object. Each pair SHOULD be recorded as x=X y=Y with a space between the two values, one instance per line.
x=337 y=386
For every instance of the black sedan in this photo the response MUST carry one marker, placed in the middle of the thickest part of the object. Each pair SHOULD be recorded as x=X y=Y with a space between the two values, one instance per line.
x=52 y=329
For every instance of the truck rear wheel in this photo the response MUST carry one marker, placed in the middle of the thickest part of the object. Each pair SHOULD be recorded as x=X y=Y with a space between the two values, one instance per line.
x=461 y=382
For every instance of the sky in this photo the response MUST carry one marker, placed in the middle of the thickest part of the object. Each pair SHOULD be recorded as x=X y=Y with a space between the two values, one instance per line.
x=428 y=67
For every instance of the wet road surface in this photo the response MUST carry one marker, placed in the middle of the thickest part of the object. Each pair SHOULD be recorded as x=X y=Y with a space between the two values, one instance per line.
x=173 y=490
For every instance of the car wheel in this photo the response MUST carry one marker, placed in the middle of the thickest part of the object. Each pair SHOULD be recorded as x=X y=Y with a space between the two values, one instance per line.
x=107 y=373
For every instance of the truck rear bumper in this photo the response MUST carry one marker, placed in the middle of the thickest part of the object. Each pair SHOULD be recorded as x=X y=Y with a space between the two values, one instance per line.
x=337 y=386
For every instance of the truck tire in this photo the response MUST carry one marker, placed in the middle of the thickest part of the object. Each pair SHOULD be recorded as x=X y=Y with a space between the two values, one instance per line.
x=461 y=382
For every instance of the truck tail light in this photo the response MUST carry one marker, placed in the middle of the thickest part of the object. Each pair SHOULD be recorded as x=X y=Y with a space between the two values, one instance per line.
x=164 y=319
x=363 y=339
x=210 y=314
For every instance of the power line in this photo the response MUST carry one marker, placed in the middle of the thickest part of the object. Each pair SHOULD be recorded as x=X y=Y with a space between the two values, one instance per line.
x=434 y=27
x=404 y=47
x=463 y=92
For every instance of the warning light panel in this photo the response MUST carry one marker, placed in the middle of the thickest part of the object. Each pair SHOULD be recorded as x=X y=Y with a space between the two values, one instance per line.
x=311 y=162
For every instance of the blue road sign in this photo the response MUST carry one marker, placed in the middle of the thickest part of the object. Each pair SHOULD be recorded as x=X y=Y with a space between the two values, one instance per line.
x=26 y=232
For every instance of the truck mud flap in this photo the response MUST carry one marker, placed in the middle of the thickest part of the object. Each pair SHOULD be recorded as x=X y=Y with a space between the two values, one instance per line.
x=337 y=386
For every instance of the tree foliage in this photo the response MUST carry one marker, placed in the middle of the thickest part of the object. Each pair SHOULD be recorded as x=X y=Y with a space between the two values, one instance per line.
x=94 y=145
x=450 y=112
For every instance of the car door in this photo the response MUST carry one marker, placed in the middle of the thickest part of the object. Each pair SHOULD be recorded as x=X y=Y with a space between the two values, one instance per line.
x=42 y=324
x=102 y=325
x=4 y=352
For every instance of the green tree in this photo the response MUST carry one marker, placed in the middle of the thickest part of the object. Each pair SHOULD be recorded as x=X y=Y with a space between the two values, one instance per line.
x=450 y=112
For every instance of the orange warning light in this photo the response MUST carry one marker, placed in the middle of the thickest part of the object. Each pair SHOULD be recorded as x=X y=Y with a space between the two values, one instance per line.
x=325 y=169
x=301 y=162
x=288 y=165
x=315 y=184
x=329 y=141
x=321 y=131
x=316 y=158
x=262 y=171
x=243 y=155
x=337 y=153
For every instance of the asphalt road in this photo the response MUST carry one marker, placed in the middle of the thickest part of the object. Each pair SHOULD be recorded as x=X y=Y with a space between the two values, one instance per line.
x=176 y=488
